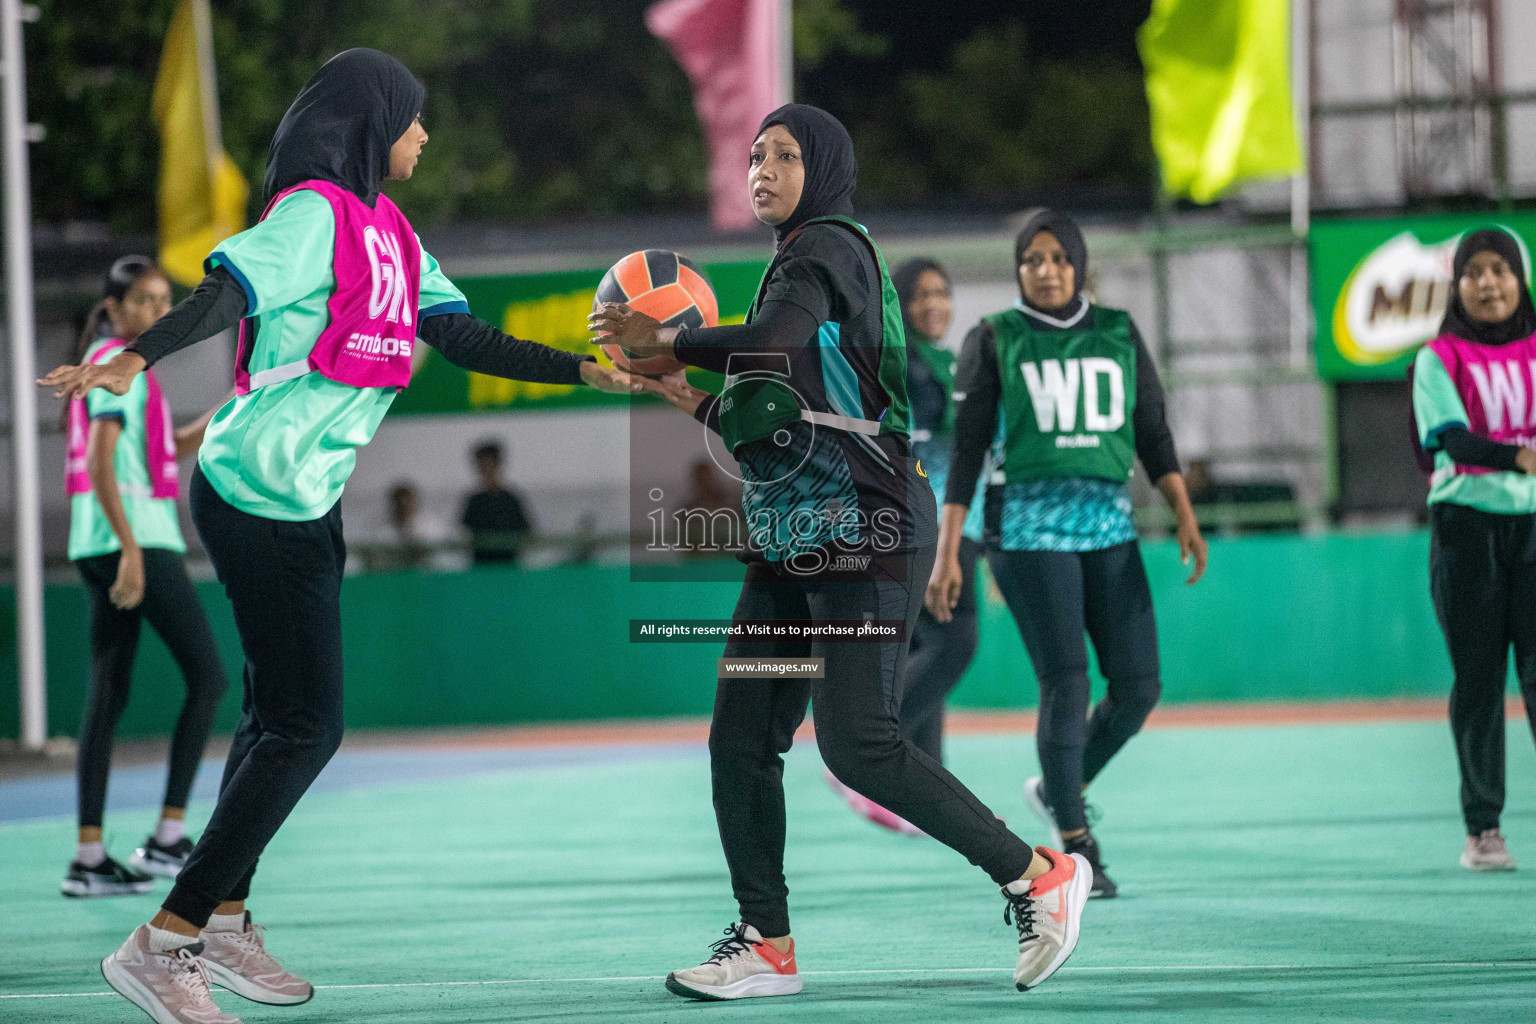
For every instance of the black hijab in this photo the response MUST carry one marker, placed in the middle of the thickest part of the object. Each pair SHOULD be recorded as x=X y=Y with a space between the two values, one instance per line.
x=1071 y=238
x=905 y=278
x=1521 y=323
x=342 y=124
x=831 y=172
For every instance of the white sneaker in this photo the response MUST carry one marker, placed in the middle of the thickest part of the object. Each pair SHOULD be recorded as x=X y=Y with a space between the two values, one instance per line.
x=1034 y=796
x=1487 y=852
x=1047 y=912
x=171 y=987
x=239 y=961
x=742 y=966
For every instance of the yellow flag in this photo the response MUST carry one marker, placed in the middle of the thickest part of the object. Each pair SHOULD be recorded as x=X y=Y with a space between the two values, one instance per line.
x=202 y=193
x=1219 y=88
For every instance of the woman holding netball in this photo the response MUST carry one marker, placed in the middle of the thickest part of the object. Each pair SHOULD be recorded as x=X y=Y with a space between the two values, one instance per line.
x=1064 y=395
x=841 y=527
x=331 y=288
x=121 y=476
x=1472 y=387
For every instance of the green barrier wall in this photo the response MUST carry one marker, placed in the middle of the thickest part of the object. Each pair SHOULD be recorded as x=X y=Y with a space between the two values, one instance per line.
x=1277 y=618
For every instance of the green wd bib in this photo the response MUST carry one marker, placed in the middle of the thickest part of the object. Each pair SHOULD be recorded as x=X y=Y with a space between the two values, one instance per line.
x=1067 y=396
x=759 y=402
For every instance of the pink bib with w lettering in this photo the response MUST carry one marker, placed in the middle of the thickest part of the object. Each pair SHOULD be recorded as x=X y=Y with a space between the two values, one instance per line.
x=159 y=437
x=1497 y=385
x=372 y=328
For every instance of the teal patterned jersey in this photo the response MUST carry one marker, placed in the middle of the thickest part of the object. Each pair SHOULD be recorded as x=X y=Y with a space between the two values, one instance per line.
x=1065 y=514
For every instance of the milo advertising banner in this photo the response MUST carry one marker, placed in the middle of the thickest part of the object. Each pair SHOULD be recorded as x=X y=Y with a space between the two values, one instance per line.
x=1379 y=287
x=551 y=309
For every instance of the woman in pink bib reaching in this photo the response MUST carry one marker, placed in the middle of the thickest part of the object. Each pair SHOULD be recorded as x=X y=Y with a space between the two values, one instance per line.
x=1472 y=392
x=121 y=477
x=331 y=290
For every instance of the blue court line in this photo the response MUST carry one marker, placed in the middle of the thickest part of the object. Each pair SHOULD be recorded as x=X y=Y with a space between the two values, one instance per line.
x=49 y=796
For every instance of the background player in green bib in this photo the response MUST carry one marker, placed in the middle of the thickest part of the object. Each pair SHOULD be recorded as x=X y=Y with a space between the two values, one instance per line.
x=265 y=496
x=840 y=524
x=1065 y=396
x=127 y=545
x=940 y=651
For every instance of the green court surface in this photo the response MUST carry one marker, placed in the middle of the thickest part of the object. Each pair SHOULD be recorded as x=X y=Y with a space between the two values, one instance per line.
x=1269 y=874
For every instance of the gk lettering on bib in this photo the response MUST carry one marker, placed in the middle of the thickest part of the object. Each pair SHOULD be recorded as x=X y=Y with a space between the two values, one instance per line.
x=372 y=329
x=1067 y=396
x=1497 y=385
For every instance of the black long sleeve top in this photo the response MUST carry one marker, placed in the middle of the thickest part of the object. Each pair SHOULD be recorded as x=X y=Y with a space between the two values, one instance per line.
x=219 y=303
x=1469 y=449
x=978 y=389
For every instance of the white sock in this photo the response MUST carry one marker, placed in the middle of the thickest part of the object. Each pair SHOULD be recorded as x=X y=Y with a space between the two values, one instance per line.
x=227 y=922
x=90 y=854
x=163 y=940
x=170 y=831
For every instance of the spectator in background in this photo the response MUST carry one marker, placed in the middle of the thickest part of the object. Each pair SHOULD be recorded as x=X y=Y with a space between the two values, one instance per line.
x=709 y=518
x=408 y=540
x=497 y=523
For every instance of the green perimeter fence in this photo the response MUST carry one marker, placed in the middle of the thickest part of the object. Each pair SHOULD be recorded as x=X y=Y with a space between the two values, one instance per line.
x=1281 y=617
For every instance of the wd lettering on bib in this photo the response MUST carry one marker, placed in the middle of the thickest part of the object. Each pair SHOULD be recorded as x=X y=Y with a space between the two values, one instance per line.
x=1497 y=385
x=377 y=264
x=1067 y=401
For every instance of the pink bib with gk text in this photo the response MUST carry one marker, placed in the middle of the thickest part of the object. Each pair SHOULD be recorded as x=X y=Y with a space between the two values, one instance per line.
x=1497 y=385
x=372 y=328
x=159 y=437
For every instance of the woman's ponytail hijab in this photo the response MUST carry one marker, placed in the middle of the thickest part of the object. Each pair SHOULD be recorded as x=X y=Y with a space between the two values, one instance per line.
x=343 y=123
x=1521 y=323
x=831 y=172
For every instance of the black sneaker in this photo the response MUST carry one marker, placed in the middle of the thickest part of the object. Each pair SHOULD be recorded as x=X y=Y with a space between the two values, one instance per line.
x=165 y=861
x=1104 y=887
x=109 y=878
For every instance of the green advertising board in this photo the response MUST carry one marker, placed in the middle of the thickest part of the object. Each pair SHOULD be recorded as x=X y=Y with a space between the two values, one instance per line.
x=1379 y=287
x=551 y=309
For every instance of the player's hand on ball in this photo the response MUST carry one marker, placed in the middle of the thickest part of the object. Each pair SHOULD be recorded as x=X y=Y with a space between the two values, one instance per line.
x=606 y=378
x=116 y=375
x=636 y=332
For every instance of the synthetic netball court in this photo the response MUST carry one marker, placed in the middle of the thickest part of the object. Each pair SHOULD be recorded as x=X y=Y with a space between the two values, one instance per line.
x=1299 y=870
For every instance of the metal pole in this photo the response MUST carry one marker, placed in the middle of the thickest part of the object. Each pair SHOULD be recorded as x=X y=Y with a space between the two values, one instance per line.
x=787 y=49
x=21 y=324
x=1301 y=183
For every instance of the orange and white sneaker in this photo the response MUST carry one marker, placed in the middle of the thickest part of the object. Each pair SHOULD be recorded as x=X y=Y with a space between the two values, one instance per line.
x=1048 y=913
x=239 y=961
x=171 y=986
x=742 y=966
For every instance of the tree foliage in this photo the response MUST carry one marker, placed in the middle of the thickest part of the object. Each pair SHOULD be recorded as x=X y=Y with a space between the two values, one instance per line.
x=546 y=108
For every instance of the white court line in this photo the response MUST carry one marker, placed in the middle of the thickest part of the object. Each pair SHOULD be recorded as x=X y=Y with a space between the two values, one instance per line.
x=1145 y=968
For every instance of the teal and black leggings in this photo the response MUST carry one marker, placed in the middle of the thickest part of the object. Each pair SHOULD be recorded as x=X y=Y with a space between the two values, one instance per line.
x=1056 y=597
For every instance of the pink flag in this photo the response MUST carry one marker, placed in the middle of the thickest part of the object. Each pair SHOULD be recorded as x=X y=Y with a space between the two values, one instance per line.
x=733 y=51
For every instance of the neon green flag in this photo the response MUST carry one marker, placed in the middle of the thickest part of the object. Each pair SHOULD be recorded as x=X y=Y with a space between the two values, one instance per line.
x=1218 y=84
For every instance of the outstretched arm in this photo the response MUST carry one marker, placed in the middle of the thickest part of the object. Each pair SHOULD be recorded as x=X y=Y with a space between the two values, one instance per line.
x=217 y=304
x=472 y=344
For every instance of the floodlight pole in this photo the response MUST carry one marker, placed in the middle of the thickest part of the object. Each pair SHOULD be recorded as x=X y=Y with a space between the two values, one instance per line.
x=1301 y=183
x=22 y=330
x=787 y=49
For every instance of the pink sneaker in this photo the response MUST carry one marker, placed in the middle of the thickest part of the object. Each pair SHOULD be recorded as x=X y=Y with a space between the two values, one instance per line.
x=171 y=987
x=867 y=809
x=239 y=961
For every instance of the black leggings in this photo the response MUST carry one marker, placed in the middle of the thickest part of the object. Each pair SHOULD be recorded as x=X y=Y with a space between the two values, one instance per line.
x=171 y=606
x=1482 y=576
x=1056 y=596
x=284 y=582
x=941 y=652
x=857 y=732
